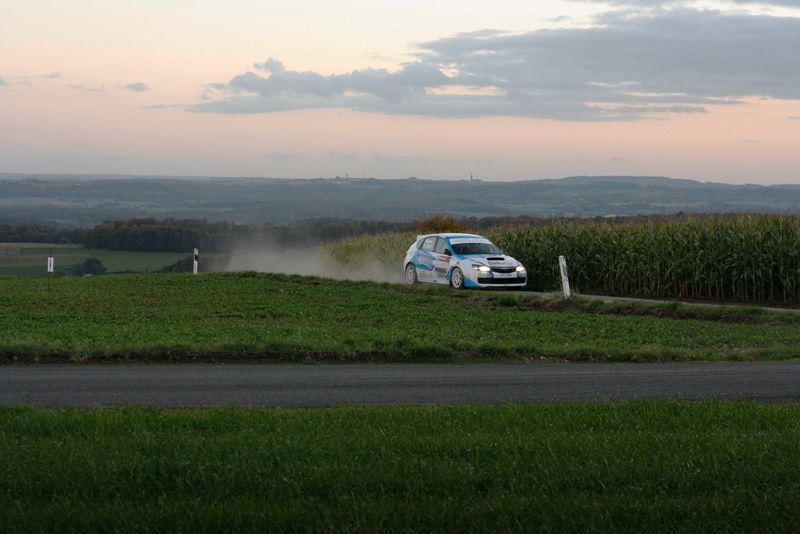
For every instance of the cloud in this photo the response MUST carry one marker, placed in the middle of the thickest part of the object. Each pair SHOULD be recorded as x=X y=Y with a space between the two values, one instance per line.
x=340 y=157
x=137 y=86
x=794 y=117
x=164 y=106
x=88 y=88
x=667 y=3
x=628 y=66
x=409 y=81
x=28 y=81
x=786 y=3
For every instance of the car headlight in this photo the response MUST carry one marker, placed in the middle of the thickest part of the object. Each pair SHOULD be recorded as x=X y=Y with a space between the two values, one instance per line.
x=481 y=268
x=520 y=268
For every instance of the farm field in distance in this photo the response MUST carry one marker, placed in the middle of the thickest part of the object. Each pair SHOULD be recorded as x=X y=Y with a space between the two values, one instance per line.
x=637 y=466
x=30 y=259
x=260 y=317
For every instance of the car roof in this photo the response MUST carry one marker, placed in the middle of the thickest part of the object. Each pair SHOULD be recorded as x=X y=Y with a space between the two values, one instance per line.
x=450 y=235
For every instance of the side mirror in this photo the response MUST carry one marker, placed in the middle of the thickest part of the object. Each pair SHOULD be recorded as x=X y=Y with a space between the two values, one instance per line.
x=447 y=252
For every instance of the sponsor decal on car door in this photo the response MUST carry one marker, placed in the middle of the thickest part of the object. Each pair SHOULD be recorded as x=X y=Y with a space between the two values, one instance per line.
x=425 y=260
x=441 y=263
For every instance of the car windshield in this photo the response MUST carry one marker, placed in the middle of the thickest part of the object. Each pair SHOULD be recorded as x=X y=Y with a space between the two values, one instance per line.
x=479 y=247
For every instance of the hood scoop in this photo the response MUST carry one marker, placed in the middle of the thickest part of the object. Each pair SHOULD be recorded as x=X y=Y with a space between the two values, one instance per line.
x=496 y=259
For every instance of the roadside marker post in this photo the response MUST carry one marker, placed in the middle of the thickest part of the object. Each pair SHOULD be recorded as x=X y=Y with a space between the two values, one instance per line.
x=195 y=257
x=562 y=265
x=51 y=264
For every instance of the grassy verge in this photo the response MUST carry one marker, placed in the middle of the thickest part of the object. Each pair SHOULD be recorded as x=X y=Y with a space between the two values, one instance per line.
x=655 y=466
x=30 y=259
x=252 y=317
x=668 y=310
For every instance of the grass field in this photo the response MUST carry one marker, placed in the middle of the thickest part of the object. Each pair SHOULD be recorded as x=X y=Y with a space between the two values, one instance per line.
x=636 y=467
x=258 y=317
x=30 y=259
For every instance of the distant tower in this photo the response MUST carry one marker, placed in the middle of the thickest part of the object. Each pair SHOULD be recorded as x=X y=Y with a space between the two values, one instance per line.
x=471 y=179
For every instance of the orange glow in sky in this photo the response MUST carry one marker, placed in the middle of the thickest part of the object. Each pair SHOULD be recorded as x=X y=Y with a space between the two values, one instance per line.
x=129 y=74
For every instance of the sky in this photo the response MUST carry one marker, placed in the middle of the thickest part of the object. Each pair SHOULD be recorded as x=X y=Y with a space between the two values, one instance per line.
x=511 y=90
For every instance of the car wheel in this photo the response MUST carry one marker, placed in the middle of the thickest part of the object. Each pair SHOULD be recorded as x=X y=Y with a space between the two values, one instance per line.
x=457 y=279
x=411 y=274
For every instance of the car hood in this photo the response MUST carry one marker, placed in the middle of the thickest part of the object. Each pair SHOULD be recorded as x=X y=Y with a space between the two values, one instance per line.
x=492 y=260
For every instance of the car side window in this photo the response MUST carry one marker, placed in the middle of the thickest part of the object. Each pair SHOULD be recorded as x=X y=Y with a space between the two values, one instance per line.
x=441 y=246
x=429 y=243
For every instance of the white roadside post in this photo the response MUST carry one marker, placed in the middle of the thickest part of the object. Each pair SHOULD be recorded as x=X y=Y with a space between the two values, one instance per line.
x=51 y=266
x=562 y=265
x=195 y=257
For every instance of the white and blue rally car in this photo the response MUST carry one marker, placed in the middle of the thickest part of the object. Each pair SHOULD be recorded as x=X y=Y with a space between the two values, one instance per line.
x=461 y=260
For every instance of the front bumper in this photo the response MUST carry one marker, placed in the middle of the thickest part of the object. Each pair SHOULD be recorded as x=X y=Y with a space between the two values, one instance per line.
x=491 y=281
x=503 y=281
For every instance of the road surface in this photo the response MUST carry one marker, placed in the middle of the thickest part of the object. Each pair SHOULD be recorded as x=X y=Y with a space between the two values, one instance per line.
x=343 y=384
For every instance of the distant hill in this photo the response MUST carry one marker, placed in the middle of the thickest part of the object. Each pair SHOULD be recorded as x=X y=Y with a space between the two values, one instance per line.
x=85 y=200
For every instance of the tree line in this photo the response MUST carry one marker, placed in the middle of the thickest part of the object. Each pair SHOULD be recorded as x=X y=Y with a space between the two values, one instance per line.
x=182 y=235
x=172 y=235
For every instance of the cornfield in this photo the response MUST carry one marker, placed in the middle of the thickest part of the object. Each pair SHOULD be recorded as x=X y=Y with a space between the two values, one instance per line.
x=736 y=258
x=743 y=258
x=380 y=250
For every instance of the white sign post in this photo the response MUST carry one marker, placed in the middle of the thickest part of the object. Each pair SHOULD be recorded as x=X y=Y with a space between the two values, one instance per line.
x=195 y=257
x=562 y=265
x=51 y=266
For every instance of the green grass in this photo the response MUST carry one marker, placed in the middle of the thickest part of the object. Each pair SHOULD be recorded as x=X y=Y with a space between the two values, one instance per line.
x=256 y=317
x=637 y=467
x=31 y=259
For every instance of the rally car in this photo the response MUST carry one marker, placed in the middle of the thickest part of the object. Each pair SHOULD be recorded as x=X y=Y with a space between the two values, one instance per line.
x=461 y=260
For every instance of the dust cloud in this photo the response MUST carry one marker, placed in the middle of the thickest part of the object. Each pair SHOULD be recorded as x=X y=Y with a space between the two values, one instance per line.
x=307 y=262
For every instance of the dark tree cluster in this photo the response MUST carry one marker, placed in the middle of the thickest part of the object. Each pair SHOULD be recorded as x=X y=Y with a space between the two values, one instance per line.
x=182 y=235
x=167 y=235
x=38 y=233
x=90 y=266
x=171 y=235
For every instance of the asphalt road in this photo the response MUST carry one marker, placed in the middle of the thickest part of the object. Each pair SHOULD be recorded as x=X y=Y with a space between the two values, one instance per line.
x=328 y=385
